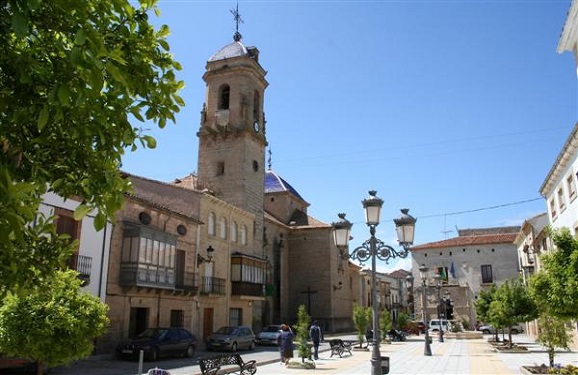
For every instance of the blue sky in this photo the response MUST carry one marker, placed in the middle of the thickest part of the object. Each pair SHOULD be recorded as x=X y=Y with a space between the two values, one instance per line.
x=443 y=107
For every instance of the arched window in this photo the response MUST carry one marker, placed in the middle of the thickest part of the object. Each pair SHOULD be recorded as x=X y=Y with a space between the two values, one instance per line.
x=243 y=235
x=211 y=224
x=223 y=228
x=234 y=231
x=224 y=94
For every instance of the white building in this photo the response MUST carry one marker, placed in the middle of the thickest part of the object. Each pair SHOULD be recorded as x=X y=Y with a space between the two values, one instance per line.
x=466 y=265
x=91 y=257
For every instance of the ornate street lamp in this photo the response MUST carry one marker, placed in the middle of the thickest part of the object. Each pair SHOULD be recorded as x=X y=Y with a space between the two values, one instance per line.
x=423 y=274
x=374 y=248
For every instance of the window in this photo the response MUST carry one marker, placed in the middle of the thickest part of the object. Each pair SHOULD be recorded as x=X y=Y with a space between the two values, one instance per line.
x=443 y=272
x=571 y=185
x=211 y=224
x=561 y=201
x=235 y=317
x=487 y=277
x=220 y=168
x=233 y=231
x=553 y=208
x=223 y=228
x=148 y=257
x=256 y=103
x=224 y=93
x=247 y=270
x=65 y=224
x=243 y=235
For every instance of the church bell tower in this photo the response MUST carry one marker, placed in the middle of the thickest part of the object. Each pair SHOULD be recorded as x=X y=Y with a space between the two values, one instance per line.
x=232 y=133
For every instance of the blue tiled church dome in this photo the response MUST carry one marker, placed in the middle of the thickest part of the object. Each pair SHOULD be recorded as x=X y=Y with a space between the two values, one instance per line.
x=275 y=184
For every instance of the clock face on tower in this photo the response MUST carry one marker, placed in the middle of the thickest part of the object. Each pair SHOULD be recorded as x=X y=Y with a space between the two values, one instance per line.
x=256 y=127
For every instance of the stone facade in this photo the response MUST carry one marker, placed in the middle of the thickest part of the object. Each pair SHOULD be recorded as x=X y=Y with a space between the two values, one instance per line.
x=152 y=278
x=469 y=263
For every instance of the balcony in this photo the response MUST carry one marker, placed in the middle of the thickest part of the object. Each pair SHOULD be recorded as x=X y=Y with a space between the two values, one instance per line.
x=213 y=285
x=146 y=275
x=240 y=288
x=83 y=265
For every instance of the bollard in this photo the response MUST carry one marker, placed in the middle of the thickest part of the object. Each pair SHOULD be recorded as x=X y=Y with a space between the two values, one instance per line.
x=384 y=365
x=140 y=361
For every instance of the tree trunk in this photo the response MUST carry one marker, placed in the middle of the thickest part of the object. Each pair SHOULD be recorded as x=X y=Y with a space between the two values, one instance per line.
x=551 y=353
x=39 y=368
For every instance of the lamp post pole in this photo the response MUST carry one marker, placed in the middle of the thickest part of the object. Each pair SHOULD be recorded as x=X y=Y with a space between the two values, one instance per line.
x=423 y=273
x=439 y=288
x=376 y=336
x=374 y=248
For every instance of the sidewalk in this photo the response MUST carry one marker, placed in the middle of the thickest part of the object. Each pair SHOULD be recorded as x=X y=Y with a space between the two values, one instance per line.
x=450 y=357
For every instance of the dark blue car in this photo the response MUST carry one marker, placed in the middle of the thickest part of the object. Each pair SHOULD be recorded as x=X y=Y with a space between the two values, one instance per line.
x=159 y=342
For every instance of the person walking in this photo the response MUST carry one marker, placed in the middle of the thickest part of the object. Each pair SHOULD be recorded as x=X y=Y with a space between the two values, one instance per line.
x=316 y=337
x=285 y=340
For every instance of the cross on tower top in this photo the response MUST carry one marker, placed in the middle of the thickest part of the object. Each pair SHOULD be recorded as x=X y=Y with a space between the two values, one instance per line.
x=237 y=17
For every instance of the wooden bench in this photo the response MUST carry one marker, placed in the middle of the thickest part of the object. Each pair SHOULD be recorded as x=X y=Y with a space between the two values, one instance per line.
x=339 y=347
x=210 y=365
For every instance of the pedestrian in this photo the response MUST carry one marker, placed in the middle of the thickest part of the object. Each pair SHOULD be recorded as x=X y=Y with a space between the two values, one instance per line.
x=316 y=337
x=285 y=341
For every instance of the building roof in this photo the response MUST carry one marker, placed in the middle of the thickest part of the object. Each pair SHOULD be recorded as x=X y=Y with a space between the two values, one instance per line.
x=181 y=201
x=275 y=184
x=561 y=164
x=235 y=49
x=487 y=239
x=399 y=274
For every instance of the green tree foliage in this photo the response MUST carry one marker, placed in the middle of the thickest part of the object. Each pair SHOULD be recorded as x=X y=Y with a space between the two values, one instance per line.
x=482 y=305
x=553 y=334
x=402 y=320
x=512 y=304
x=483 y=302
x=555 y=287
x=55 y=323
x=385 y=323
x=361 y=320
x=302 y=327
x=72 y=76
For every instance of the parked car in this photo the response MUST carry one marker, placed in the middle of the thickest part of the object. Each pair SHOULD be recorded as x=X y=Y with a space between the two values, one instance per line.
x=159 y=342
x=231 y=338
x=414 y=328
x=487 y=329
x=435 y=324
x=19 y=364
x=269 y=335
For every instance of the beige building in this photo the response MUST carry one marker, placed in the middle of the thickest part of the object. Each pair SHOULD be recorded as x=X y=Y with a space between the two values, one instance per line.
x=467 y=264
x=152 y=265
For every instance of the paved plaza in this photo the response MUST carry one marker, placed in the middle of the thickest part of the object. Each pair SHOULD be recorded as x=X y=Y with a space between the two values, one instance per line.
x=450 y=357
x=453 y=356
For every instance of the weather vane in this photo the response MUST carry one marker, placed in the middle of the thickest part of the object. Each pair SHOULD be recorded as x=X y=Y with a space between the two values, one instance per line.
x=238 y=20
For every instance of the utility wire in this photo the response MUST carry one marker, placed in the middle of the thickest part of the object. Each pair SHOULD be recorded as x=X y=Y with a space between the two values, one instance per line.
x=481 y=209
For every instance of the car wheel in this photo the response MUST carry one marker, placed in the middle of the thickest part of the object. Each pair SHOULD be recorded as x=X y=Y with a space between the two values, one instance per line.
x=234 y=347
x=252 y=345
x=190 y=351
x=486 y=331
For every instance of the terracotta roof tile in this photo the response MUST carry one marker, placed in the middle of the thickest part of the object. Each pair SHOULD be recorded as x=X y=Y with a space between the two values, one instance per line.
x=490 y=239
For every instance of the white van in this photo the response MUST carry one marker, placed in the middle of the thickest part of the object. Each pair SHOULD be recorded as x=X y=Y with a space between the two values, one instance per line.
x=435 y=324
